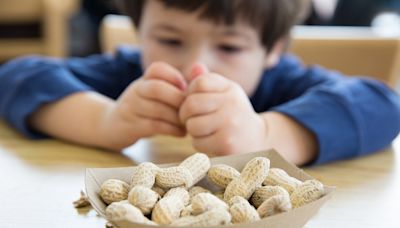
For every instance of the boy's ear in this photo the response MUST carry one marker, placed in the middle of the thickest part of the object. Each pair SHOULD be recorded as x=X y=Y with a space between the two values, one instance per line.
x=273 y=56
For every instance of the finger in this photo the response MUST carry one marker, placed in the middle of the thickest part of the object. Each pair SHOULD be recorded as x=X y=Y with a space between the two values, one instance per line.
x=161 y=91
x=197 y=70
x=157 y=110
x=164 y=71
x=202 y=126
x=200 y=104
x=153 y=127
x=209 y=83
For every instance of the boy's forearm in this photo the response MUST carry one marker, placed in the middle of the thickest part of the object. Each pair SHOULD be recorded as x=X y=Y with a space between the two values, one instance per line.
x=77 y=118
x=292 y=140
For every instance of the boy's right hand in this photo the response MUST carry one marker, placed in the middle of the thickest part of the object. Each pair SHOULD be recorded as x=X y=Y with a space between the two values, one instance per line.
x=149 y=106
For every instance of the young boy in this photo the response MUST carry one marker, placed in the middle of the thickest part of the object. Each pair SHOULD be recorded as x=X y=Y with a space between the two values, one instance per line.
x=214 y=70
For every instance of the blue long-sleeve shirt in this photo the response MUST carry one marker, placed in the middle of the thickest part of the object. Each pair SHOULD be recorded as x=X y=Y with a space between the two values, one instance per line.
x=350 y=117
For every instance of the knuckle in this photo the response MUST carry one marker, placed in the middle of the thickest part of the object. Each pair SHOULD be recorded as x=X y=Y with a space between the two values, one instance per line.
x=233 y=123
x=227 y=145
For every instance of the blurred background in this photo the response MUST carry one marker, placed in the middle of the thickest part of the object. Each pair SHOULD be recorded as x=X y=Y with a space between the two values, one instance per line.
x=64 y=28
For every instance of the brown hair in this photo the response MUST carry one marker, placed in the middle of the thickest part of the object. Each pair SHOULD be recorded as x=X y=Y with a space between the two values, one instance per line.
x=271 y=18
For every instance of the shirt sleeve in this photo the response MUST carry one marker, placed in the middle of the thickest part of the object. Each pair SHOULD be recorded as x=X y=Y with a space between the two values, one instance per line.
x=29 y=82
x=350 y=116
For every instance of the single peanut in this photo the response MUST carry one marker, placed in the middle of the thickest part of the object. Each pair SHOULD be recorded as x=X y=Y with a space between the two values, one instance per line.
x=180 y=192
x=124 y=211
x=170 y=207
x=274 y=205
x=144 y=174
x=256 y=170
x=212 y=217
x=193 y=191
x=265 y=192
x=279 y=177
x=307 y=192
x=221 y=175
x=113 y=190
x=237 y=187
x=198 y=165
x=206 y=201
x=172 y=177
x=242 y=211
x=251 y=177
x=143 y=198
x=167 y=210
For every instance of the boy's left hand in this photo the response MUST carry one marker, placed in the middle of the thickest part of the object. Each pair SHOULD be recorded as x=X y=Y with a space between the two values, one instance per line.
x=219 y=116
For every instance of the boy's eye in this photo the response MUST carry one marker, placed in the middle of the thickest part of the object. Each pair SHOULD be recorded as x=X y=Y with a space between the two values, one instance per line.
x=231 y=49
x=170 y=42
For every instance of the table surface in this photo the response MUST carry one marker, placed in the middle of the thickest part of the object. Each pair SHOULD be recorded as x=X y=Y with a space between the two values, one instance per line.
x=39 y=180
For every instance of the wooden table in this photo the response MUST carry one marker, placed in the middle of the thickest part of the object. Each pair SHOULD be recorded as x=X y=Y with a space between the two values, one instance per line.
x=41 y=179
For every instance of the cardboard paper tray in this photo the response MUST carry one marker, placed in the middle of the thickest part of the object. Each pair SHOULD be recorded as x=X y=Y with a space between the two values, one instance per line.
x=294 y=218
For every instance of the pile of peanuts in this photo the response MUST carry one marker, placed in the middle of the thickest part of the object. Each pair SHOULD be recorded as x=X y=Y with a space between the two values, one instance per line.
x=168 y=196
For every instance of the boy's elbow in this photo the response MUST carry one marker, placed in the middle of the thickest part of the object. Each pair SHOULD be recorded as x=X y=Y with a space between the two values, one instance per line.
x=384 y=125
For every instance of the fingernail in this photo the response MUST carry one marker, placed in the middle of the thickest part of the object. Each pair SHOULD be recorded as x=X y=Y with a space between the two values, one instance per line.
x=197 y=70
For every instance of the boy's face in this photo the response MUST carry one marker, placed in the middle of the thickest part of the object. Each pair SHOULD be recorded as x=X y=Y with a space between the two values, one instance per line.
x=182 y=39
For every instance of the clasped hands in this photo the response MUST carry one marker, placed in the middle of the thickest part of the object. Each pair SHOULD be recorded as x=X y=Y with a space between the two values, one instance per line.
x=212 y=109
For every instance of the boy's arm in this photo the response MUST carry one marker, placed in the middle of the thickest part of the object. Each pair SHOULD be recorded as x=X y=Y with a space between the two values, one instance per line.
x=31 y=83
x=76 y=117
x=220 y=120
x=348 y=116
x=148 y=106
x=294 y=142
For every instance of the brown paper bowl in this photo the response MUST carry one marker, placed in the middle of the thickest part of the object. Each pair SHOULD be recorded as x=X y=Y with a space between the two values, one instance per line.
x=294 y=218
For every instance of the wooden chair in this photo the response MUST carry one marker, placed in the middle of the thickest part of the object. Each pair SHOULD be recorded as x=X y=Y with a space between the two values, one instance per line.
x=351 y=50
x=116 y=30
x=53 y=16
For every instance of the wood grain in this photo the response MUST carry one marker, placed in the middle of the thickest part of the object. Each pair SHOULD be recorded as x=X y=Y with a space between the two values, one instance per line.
x=41 y=179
